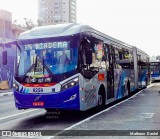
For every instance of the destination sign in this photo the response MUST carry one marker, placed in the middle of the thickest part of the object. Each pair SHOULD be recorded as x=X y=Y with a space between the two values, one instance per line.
x=155 y=64
x=48 y=45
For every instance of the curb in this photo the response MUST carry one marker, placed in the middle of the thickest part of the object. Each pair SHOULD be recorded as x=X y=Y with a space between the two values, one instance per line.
x=6 y=94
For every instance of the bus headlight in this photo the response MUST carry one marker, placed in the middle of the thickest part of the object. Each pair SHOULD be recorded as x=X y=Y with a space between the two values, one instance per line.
x=70 y=84
x=15 y=87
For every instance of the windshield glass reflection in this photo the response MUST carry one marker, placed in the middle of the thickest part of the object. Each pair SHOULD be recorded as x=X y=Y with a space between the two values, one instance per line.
x=43 y=58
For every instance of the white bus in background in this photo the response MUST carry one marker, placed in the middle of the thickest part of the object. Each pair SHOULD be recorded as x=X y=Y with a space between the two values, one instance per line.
x=155 y=70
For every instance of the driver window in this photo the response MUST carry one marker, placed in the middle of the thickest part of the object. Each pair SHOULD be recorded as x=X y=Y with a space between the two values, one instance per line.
x=98 y=55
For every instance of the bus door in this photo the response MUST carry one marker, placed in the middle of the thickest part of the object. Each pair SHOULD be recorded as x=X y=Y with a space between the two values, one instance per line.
x=110 y=72
x=10 y=64
x=139 y=71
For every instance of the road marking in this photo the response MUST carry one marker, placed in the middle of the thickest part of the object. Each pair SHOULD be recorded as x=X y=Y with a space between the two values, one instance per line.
x=6 y=94
x=69 y=128
x=147 y=115
x=14 y=115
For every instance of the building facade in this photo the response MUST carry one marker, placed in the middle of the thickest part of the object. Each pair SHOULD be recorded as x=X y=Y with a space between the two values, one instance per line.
x=8 y=31
x=56 y=12
x=16 y=31
x=5 y=26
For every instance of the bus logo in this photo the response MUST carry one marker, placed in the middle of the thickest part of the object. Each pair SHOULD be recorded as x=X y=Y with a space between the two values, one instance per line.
x=37 y=98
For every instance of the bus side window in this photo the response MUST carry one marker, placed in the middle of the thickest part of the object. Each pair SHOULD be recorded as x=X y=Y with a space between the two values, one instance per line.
x=125 y=53
x=100 y=55
x=116 y=55
x=120 y=54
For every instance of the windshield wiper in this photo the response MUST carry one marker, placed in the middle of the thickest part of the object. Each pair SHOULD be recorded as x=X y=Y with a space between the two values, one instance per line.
x=43 y=64
x=34 y=66
x=48 y=70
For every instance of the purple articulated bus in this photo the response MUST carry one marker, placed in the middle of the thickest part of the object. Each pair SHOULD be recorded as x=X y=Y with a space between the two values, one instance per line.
x=75 y=67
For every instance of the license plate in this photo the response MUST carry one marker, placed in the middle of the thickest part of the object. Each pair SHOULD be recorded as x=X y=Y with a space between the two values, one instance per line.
x=38 y=103
x=38 y=90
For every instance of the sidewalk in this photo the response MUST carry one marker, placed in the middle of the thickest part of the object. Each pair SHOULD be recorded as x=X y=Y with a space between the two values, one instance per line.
x=6 y=92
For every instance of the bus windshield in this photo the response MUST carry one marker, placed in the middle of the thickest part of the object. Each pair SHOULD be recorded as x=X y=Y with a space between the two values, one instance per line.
x=155 y=68
x=44 y=59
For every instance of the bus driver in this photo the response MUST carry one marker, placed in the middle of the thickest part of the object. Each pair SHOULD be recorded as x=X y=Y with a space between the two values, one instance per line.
x=63 y=59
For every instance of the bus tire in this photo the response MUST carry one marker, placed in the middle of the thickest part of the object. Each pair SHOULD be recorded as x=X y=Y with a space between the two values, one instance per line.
x=101 y=97
x=100 y=100
x=128 y=87
x=146 y=83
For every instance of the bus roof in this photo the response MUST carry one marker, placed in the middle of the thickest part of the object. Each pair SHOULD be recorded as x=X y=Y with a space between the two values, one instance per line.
x=66 y=30
x=53 y=31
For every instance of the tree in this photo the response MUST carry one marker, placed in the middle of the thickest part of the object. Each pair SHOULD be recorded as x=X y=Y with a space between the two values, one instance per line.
x=29 y=23
x=26 y=23
x=15 y=22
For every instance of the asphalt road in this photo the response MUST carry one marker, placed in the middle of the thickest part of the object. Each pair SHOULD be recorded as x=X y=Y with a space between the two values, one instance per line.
x=36 y=119
x=13 y=119
x=141 y=112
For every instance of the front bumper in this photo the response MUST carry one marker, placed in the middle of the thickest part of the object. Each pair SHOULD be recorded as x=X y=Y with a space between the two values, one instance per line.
x=60 y=100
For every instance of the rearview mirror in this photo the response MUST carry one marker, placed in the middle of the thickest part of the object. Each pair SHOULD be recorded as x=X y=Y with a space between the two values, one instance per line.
x=4 y=57
x=89 y=56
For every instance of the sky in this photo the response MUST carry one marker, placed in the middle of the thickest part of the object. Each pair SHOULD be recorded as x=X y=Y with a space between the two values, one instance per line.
x=136 y=22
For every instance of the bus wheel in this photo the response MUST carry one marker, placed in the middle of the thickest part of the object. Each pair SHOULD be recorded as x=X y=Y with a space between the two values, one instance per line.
x=146 y=83
x=128 y=87
x=101 y=98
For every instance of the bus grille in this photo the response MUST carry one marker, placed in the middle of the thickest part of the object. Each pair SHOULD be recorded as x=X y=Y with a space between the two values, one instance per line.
x=90 y=97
